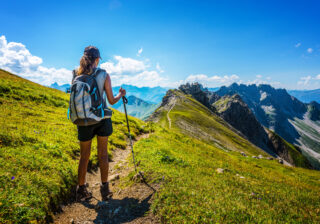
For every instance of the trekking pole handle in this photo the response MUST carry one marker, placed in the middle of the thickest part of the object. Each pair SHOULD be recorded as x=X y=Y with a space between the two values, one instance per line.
x=125 y=100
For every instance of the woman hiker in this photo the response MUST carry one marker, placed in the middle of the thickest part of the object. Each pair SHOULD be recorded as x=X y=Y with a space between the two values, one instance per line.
x=88 y=65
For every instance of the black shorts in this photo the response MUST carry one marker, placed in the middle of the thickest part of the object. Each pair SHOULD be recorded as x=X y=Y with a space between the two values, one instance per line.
x=103 y=128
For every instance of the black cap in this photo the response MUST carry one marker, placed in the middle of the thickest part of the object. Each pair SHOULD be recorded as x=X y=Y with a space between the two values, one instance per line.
x=92 y=51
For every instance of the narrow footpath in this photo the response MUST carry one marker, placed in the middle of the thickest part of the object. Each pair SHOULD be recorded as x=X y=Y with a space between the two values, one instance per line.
x=172 y=106
x=129 y=205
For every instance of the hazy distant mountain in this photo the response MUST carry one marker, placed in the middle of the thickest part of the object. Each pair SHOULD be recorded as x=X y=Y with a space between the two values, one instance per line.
x=306 y=96
x=147 y=94
x=214 y=89
x=63 y=87
x=275 y=109
x=137 y=107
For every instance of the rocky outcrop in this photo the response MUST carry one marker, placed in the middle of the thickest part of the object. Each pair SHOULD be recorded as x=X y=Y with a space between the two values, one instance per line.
x=201 y=94
x=314 y=111
x=167 y=102
x=272 y=107
x=290 y=153
x=236 y=112
x=233 y=110
x=294 y=121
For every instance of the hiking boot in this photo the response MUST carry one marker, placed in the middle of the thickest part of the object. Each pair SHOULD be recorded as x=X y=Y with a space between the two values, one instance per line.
x=105 y=191
x=82 y=193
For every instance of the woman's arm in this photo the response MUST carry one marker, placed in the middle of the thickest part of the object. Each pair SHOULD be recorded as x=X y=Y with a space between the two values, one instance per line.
x=108 y=88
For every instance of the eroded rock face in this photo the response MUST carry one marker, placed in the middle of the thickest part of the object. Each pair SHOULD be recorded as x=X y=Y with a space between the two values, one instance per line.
x=236 y=112
x=233 y=110
x=314 y=111
x=201 y=94
x=272 y=107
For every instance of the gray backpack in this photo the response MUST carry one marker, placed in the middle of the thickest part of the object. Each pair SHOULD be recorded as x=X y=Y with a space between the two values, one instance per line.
x=86 y=106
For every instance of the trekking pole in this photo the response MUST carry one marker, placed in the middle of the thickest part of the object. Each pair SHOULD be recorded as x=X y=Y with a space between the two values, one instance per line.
x=125 y=101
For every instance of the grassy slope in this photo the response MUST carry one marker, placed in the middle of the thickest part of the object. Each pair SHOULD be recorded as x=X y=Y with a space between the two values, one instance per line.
x=194 y=119
x=39 y=148
x=250 y=190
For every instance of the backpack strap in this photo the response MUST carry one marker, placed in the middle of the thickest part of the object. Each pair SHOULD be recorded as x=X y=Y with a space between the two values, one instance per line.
x=94 y=76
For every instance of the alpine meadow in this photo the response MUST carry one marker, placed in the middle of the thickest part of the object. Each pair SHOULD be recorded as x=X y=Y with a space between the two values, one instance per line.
x=149 y=112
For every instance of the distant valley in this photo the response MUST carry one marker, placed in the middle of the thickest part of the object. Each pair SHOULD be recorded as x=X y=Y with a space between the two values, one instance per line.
x=267 y=113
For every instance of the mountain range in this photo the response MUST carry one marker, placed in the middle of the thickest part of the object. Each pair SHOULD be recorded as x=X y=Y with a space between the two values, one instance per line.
x=232 y=109
x=296 y=122
x=136 y=107
x=206 y=155
x=149 y=94
x=267 y=112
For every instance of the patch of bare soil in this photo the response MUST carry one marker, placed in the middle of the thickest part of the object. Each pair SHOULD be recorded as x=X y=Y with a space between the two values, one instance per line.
x=128 y=205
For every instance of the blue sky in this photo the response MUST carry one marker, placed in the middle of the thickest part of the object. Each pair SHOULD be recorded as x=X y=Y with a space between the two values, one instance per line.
x=213 y=42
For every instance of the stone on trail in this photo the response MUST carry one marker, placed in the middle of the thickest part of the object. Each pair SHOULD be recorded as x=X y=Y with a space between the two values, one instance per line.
x=241 y=177
x=242 y=153
x=260 y=156
x=219 y=170
x=255 y=157
x=280 y=161
x=114 y=177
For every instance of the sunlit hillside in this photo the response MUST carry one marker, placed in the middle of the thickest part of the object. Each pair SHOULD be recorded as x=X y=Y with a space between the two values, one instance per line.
x=39 y=149
x=207 y=179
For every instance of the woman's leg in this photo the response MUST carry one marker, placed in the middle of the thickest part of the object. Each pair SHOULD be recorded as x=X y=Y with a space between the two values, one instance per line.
x=103 y=157
x=85 y=148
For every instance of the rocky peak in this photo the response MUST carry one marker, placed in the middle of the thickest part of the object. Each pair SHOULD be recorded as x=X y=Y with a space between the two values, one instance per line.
x=237 y=113
x=203 y=95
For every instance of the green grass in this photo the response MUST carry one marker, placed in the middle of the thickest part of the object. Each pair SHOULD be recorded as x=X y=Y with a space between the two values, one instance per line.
x=193 y=192
x=39 y=149
x=205 y=125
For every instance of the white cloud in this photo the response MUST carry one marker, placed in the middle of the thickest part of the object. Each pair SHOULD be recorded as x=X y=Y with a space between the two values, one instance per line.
x=139 y=52
x=124 y=65
x=16 y=58
x=159 y=68
x=259 y=76
x=297 y=45
x=309 y=50
x=309 y=82
x=260 y=81
x=145 y=78
x=134 y=72
x=212 y=81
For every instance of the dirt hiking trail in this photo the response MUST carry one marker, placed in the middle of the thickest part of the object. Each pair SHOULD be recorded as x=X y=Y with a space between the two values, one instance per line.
x=172 y=106
x=129 y=205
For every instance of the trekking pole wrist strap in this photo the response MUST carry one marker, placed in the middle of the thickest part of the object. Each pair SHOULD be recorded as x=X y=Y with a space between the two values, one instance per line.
x=125 y=100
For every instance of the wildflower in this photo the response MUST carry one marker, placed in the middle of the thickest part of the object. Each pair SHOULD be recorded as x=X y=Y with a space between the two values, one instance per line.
x=12 y=178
